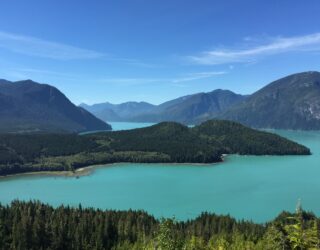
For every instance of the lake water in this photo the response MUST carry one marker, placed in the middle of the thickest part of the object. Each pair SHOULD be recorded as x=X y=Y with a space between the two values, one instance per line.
x=129 y=125
x=246 y=187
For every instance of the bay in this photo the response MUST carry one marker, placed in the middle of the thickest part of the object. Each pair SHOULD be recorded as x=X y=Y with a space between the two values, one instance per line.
x=246 y=187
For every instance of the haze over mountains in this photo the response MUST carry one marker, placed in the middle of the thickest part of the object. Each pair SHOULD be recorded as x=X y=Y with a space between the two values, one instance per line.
x=292 y=102
x=187 y=109
x=118 y=112
x=27 y=106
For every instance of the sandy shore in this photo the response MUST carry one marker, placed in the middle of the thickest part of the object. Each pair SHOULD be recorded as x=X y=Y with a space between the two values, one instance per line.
x=84 y=171
x=77 y=173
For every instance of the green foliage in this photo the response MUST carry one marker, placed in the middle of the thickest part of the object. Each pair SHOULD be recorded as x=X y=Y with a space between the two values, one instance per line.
x=167 y=238
x=274 y=239
x=236 y=138
x=33 y=225
x=173 y=139
x=164 y=142
x=301 y=234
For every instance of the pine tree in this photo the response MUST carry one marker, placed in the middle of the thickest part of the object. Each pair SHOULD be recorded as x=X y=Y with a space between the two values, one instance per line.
x=166 y=238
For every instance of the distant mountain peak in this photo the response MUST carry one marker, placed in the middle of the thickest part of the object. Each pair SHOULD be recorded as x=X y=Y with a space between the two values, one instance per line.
x=291 y=102
x=185 y=109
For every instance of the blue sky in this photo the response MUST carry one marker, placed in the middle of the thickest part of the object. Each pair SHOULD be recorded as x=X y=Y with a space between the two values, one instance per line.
x=148 y=50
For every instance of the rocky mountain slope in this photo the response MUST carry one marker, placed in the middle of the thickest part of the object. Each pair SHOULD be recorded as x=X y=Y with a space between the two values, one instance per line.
x=27 y=106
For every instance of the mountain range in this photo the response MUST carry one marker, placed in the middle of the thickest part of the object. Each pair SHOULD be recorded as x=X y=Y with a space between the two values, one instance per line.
x=188 y=109
x=292 y=102
x=27 y=106
x=118 y=112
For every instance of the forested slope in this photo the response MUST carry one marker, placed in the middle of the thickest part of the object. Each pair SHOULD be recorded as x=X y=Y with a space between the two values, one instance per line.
x=33 y=225
x=164 y=142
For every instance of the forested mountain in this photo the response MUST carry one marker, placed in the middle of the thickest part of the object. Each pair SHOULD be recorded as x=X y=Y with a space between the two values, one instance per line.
x=33 y=225
x=27 y=106
x=187 y=109
x=165 y=142
x=292 y=102
x=118 y=112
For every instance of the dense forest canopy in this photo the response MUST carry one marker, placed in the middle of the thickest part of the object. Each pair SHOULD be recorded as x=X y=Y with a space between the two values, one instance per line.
x=33 y=225
x=163 y=142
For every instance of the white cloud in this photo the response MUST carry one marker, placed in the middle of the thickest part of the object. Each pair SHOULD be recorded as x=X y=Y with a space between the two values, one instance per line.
x=175 y=80
x=278 y=45
x=134 y=62
x=45 y=72
x=32 y=46
x=130 y=81
x=197 y=76
x=22 y=73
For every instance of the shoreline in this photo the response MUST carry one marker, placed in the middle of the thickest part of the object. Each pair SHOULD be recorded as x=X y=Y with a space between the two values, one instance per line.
x=88 y=170
x=83 y=171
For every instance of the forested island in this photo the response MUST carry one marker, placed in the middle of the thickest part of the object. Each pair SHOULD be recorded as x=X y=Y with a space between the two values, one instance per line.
x=166 y=142
x=33 y=225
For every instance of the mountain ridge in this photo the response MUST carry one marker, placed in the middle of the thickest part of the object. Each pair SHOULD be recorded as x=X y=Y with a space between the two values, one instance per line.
x=118 y=112
x=291 y=102
x=28 y=106
x=185 y=109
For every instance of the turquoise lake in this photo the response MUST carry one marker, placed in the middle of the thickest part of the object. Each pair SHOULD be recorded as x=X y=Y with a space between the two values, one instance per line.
x=246 y=187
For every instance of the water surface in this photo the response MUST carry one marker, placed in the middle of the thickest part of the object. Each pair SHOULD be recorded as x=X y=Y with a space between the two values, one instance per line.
x=129 y=125
x=246 y=187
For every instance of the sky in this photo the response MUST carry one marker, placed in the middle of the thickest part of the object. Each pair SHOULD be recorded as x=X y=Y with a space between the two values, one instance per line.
x=156 y=50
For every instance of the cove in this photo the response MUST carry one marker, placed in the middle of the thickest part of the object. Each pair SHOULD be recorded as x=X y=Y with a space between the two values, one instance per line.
x=257 y=188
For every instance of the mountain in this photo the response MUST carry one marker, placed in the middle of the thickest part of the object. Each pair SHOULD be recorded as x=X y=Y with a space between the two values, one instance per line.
x=193 y=108
x=118 y=112
x=292 y=102
x=187 y=109
x=27 y=106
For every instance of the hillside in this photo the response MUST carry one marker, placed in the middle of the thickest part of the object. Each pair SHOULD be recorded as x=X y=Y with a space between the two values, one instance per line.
x=163 y=142
x=292 y=102
x=239 y=139
x=27 y=106
x=187 y=109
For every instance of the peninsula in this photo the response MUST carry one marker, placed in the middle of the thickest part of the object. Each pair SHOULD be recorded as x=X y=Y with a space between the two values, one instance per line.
x=166 y=142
